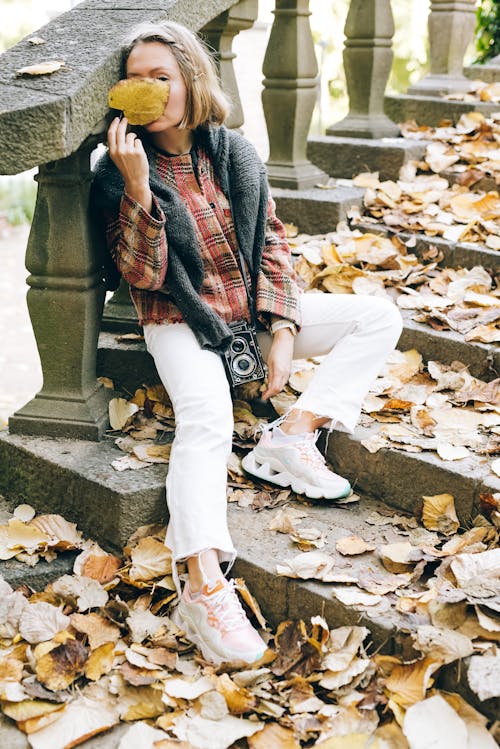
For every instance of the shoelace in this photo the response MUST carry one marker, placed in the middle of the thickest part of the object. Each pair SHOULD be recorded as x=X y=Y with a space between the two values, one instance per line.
x=227 y=608
x=307 y=448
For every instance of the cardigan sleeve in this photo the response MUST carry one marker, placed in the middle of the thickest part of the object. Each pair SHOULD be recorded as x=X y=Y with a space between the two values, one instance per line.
x=137 y=242
x=278 y=294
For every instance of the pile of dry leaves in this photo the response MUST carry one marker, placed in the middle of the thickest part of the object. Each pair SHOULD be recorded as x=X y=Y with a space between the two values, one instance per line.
x=97 y=648
x=422 y=200
x=349 y=261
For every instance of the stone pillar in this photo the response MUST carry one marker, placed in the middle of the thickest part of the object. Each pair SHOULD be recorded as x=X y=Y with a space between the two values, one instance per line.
x=367 y=63
x=451 y=28
x=289 y=96
x=65 y=304
x=119 y=312
x=220 y=33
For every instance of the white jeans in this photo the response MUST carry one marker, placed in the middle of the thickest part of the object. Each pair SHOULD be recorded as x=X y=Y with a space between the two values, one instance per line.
x=356 y=333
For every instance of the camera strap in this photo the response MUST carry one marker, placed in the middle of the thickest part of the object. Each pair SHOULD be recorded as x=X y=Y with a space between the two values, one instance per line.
x=250 y=297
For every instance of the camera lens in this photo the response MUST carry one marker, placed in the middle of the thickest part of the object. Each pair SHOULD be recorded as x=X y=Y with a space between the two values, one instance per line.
x=244 y=364
x=238 y=345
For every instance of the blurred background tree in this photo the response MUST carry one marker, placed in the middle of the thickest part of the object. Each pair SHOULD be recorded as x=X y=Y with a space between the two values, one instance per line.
x=488 y=30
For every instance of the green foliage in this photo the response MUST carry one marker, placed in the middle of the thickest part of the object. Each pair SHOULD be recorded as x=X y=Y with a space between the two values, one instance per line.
x=17 y=198
x=488 y=30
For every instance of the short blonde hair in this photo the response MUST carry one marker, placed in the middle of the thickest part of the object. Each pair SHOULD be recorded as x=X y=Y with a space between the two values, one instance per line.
x=206 y=103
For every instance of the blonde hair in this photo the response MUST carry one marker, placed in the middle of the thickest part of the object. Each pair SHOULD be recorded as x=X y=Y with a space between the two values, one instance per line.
x=206 y=103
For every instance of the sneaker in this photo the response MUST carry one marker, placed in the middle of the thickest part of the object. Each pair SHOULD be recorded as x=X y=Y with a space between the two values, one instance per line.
x=214 y=620
x=298 y=464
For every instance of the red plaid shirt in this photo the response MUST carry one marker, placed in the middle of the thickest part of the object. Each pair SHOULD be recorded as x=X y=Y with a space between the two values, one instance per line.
x=138 y=245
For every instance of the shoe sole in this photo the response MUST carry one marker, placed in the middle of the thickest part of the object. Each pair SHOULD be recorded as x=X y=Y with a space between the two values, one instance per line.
x=264 y=470
x=188 y=626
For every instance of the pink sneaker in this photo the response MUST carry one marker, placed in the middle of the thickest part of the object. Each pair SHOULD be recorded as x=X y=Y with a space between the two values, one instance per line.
x=298 y=464
x=215 y=621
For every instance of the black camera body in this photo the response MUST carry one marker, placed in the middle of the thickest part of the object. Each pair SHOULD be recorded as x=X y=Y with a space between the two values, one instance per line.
x=243 y=360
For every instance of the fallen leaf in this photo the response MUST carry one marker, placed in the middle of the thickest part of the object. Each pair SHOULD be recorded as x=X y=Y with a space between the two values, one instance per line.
x=275 y=736
x=42 y=68
x=41 y=621
x=432 y=722
x=150 y=559
x=352 y=545
x=439 y=514
x=444 y=645
x=482 y=675
x=121 y=412
x=210 y=734
x=59 y=668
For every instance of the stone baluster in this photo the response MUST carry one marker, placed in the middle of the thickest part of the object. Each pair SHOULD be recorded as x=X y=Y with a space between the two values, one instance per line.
x=220 y=34
x=451 y=28
x=65 y=304
x=289 y=96
x=369 y=30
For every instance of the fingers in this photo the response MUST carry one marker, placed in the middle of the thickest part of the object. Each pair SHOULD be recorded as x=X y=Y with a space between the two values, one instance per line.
x=275 y=384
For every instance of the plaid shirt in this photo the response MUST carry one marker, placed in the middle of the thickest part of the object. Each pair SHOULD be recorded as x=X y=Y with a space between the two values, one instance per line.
x=138 y=245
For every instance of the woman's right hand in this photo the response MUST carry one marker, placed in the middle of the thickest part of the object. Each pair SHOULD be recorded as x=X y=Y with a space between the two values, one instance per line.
x=127 y=153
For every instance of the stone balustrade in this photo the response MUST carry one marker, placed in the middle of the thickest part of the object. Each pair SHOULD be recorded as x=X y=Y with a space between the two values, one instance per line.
x=54 y=122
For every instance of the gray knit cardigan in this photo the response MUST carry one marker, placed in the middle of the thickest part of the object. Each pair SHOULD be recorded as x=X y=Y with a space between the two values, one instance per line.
x=243 y=180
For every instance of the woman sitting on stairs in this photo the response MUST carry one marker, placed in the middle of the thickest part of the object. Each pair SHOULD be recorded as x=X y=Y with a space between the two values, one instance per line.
x=187 y=208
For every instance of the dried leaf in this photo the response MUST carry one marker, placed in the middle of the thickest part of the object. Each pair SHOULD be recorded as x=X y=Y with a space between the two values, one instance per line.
x=352 y=545
x=432 y=722
x=210 y=734
x=41 y=621
x=150 y=559
x=97 y=628
x=100 y=661
x=274 y=735
x=121 y=412
x=42 y=68
x=483 y=675
x=87 y=593
x=439 y=514
x=444 y=645
x=58 y=668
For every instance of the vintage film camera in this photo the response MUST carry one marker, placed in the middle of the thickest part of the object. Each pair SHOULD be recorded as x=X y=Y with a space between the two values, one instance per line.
x=243 y=360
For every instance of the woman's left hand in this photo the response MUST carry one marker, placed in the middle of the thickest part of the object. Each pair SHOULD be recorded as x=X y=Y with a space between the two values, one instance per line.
x=279 y=362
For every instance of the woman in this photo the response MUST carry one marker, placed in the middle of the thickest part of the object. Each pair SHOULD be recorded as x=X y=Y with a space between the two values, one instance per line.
x=180 y=198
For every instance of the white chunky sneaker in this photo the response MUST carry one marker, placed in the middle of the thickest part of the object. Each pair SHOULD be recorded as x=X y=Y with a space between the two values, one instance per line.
x=298 y=464
x=214 y=620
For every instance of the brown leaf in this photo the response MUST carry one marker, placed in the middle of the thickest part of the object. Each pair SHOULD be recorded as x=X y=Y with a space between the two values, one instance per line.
x=296 y=652
x=59 y=668
x=100 y=661
x=239 y=700
x=96 y=627
x=275 y=736
x=439 y=514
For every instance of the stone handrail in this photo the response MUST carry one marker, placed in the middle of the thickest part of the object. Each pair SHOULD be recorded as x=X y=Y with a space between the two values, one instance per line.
x=55 y=122
x=46 y=118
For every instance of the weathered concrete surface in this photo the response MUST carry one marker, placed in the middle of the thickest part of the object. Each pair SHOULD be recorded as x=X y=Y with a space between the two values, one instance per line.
x=76 y=479
x=317 y=210
x=488 y=72
x=403 y=478
x=430 y=110
x=482 y=359
x=72 y=102
x=129 y=365
x=347 y=157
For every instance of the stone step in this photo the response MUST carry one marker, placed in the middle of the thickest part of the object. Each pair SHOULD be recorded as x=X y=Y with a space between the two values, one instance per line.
x=316 y=207
x=455 y=254
x=129 y=365
x=431 y=110
x=347 y=157
x=403 y=478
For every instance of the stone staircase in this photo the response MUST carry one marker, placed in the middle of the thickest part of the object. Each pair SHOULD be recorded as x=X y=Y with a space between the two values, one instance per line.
x=62 y=475
x=75 y=477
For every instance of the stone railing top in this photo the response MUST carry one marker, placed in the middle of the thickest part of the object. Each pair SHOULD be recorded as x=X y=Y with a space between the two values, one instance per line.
x=48 y=117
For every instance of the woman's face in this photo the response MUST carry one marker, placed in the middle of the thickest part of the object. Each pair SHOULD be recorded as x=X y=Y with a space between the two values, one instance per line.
x=156 y=60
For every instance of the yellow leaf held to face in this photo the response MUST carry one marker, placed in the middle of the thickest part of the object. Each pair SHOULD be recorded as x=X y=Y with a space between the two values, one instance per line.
x=439 y=514
x=142 y=100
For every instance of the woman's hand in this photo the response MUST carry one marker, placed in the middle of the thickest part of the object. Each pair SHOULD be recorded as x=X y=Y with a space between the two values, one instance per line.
x=127 y=153
x=279 y=362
